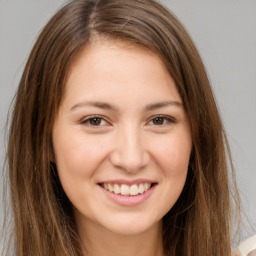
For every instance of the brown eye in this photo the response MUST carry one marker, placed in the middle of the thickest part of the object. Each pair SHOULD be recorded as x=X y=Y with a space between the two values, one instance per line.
x=158 y=120
x=95 y=121
x=161 y=120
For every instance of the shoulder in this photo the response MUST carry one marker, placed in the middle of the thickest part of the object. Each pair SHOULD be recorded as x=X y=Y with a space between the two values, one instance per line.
x=246 y=248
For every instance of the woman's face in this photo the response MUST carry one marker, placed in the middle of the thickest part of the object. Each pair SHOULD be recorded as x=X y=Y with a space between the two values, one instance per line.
x=121 y=140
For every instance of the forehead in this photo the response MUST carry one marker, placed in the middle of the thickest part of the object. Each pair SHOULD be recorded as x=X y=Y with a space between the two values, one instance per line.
x=103 y=67
x=98 y=48
x=103 y=50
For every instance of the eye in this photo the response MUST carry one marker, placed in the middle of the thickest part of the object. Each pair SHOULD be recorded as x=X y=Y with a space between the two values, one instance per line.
x=94 y=121
x=160 y=120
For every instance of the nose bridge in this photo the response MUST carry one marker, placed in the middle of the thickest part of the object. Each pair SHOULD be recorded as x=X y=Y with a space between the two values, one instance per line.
x=129 y=151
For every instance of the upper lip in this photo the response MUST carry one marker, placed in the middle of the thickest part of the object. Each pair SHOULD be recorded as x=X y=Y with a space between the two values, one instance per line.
x=127 y=182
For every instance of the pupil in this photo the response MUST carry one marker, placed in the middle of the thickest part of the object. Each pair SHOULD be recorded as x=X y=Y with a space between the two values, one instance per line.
x=95 y=121
x=158 y=120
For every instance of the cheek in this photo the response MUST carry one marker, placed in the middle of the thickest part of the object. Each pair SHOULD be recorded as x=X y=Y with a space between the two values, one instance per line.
x=77 y=159
x=173 y=155
x=78 y=155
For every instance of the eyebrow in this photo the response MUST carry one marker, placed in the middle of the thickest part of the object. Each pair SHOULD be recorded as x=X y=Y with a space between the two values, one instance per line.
x=107 y=106
x=158 y=105
x=97 y=104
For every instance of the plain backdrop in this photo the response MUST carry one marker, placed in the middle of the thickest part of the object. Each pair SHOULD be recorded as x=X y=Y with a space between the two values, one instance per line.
x=225 y=34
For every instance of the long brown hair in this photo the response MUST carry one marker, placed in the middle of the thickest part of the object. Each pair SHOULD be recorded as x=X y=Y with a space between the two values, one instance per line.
x=199 y=222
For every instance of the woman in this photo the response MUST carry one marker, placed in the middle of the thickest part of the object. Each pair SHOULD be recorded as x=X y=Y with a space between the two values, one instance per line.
x=116 y=146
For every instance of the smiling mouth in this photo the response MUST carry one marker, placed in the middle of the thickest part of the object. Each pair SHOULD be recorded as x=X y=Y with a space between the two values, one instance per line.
x=126 y=190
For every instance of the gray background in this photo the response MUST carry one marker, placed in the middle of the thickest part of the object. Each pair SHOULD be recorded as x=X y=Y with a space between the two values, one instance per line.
x=225 y=34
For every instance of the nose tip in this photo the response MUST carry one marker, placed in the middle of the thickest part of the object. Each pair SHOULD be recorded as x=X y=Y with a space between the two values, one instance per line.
x=129 y=152
x=129 y=161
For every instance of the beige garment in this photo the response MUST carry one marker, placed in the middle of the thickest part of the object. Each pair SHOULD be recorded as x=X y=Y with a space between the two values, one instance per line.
x=246 y=248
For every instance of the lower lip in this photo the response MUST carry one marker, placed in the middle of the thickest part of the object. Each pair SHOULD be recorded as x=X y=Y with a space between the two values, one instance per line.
x=129 y=200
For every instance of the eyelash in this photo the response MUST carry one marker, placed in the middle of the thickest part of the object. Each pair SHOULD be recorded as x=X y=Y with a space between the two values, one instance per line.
x=87 y=120
x=165 y=119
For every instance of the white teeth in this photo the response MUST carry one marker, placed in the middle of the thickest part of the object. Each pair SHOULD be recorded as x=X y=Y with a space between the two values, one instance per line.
x=141 y=188
x=134 y=190
x=146 y=186
x=127 y=190
x=116 y=189
x=110 y=188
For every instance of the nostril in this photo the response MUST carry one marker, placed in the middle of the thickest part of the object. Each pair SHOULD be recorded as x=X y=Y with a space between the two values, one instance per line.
x=129 y=158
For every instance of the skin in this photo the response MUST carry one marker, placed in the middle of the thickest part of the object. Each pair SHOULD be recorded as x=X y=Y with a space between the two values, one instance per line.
x=127 y=141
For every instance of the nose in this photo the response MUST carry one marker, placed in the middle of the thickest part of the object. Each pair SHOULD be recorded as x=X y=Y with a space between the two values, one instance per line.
x=129 y=152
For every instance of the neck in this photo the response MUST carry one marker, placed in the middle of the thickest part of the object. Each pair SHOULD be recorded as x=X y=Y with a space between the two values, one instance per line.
x=99 y=241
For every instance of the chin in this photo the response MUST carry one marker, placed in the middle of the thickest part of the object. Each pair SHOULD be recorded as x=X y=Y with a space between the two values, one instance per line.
x=128 y=227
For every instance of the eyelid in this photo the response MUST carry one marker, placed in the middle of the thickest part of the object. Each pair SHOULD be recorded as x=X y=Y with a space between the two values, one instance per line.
x=166 y=117
x=85 y=120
